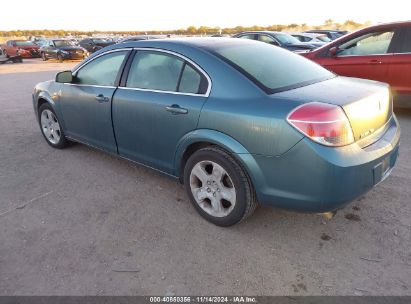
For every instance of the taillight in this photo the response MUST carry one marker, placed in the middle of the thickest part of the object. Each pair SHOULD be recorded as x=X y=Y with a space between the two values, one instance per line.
x=323 y=123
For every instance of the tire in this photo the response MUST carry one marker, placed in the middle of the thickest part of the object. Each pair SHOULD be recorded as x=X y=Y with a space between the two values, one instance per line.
x=224 y=193
x=60 y=58
x=43 y=56
x=50 y=127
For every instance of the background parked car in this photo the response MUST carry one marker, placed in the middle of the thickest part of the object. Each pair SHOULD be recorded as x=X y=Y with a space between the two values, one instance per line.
x=381 y=52
x=39 y=40
x=94 y=44
x=314 y=39
x=280 y=39
x=23 y=48
x=141 y=37
x=332 y=34
x=62 y=49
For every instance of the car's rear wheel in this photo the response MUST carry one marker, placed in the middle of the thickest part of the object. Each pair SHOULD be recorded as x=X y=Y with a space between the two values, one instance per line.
x=50 y=127
x=43 y=56
x=218 y=187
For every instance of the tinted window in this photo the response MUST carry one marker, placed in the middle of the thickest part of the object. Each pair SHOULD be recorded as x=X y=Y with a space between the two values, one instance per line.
x=369 y=44
x=267 y=39
x=190 y=80
x=155 y=71
x=101 y=71
x=278 y=70
x=406 y=41
x=247 y=36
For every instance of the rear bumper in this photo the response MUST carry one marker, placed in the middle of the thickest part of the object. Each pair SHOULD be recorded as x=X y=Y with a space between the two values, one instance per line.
x=315 y=178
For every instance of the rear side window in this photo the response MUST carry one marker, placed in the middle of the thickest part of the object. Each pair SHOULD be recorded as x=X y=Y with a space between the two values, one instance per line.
x=248 y=36
x=102 y=70
x=190 y=80
x=368 y=44
x=155 y=71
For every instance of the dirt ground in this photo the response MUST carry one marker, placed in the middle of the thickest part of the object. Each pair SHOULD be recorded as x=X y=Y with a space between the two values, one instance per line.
x=81 y=222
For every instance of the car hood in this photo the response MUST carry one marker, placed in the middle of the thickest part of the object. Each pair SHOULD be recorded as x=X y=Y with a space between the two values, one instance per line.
x=26 y=47
x=71 y=48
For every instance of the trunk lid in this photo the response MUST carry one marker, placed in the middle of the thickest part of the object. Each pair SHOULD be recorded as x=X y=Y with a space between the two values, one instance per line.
x=367 y=104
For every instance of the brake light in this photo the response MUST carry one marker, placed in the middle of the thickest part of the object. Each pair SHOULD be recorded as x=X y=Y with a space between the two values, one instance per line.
x=323 y=123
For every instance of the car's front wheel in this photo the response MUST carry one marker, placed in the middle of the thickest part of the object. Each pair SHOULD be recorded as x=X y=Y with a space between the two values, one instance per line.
x=51 y=128
x=218 y=187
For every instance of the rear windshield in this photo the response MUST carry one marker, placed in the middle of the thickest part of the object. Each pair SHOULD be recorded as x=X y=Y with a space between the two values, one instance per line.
x=272 y=68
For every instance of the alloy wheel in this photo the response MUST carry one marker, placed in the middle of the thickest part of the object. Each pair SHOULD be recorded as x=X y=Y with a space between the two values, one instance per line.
x=50 y=127
x=212 y=188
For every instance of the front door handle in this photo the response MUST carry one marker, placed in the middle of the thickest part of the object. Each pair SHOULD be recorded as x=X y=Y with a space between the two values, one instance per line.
x=176 y=109
x=101 y=98
x=375 y=61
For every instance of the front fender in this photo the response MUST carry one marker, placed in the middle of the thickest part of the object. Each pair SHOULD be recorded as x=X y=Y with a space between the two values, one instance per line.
x=238 y=151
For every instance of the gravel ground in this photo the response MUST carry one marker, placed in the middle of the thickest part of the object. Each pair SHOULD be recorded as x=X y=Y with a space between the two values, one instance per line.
x=72 y=221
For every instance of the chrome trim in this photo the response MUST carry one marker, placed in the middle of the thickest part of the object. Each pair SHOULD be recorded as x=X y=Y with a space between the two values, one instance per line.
x=90 y=85
x=165 y=92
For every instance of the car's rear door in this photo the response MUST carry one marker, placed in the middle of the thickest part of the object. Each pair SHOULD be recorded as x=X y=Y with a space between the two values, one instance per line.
x=399 y=74
x=158 y=102
x=86 y=103
x=366 y=56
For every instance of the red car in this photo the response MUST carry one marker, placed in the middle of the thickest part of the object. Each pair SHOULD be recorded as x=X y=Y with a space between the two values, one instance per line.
x=381 y=52
x=23 y=48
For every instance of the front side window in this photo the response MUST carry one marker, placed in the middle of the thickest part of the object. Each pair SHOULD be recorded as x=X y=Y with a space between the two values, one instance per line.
x=368 y=44
x=102 y=70
x=278 y=71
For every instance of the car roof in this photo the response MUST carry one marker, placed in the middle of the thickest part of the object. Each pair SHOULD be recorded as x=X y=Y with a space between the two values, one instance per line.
x=209 y=43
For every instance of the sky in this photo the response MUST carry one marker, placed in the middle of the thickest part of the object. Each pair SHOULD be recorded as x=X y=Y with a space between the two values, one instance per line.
x=129 y=15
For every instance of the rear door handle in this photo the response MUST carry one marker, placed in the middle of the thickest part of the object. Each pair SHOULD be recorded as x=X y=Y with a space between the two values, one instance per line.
x=101 y=98
x=375 y=61
x=176 y=109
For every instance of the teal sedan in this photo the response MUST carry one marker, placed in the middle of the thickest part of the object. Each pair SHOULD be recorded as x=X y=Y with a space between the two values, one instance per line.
x=238 y=122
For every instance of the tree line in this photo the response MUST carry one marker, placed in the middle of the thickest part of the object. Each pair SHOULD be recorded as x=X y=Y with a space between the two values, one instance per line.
x=191 y=30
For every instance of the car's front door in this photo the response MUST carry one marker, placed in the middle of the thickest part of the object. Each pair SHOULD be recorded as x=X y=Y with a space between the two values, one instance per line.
x=367 y=56
x=399 y=74
x=158 y=103
x=86 y=103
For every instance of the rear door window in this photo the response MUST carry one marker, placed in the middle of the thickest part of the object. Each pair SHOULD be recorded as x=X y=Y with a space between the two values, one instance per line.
x=155 y=71
x=405 y=44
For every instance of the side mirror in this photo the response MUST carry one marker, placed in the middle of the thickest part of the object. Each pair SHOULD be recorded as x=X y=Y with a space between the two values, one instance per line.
x=64 y=77
x=333 y=51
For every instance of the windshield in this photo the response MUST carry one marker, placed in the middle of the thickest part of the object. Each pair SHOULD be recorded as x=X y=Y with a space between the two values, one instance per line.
x=24 y=43
x=59 y=43
x=287 y=39
x=273 y=69
x=100 y=40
